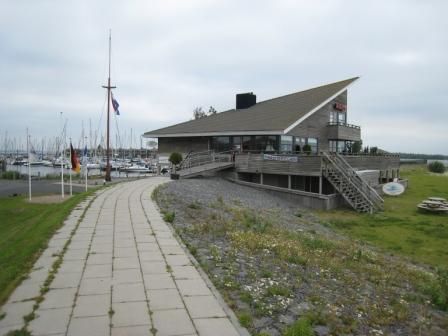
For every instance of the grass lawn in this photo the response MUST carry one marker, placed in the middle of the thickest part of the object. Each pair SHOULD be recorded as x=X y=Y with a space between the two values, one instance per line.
x=401 y=228
x=25 y=230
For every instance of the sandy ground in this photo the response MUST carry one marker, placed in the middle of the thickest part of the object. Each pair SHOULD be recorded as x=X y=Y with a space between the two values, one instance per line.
x=49 y=199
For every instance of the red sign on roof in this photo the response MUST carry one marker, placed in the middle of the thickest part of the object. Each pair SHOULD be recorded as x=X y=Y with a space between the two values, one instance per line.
x=340 y=106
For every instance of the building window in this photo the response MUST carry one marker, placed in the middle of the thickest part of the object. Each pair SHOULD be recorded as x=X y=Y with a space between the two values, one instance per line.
x=285 y=143
x=333 y=117
x=247 y=143
x=266 y=143
x=340 y=146
x=221 y=144
x=299 y=143
x=236 y=143
x=313 y=143
x=338 y=117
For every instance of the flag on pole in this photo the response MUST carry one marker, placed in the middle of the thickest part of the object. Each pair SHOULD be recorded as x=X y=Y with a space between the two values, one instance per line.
x=115 y=104
x=75 y=162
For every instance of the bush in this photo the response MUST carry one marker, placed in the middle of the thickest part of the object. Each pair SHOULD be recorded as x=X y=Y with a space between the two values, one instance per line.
x=307 y=149
x=175 y=158
x=356 y=147
x=436 y=167
x=438 y=289
x=301 y=328
x=11 y=175
x=169 y=217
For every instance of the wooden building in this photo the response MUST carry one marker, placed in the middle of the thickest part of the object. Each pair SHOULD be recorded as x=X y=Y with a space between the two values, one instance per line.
x=299 y=143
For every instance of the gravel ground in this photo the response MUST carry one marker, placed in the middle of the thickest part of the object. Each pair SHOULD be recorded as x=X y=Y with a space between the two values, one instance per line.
x=275 y=264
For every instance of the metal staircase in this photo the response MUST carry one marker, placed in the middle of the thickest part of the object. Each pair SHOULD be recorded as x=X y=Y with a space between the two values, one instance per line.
x=361 y=196
x=198 y=163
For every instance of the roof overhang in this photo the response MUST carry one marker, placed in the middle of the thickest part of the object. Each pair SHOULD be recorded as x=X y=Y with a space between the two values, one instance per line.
x=205 y=134
x=318 y=107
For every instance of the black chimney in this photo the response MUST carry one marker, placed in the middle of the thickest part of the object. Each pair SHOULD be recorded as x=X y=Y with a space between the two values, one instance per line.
x=245 y=100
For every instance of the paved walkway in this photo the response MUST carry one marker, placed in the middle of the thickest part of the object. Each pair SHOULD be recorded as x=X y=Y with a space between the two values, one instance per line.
x=122 y=273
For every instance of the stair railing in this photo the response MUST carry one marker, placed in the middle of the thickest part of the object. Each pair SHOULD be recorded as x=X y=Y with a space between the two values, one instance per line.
x=376 y=199
x=347 y=178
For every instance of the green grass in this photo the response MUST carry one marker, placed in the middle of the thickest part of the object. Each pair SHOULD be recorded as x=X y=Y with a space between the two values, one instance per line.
x=25 y=229
x=401 y=228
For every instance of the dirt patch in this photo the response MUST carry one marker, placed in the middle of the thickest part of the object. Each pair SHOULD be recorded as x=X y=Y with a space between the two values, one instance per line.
x=49 y=199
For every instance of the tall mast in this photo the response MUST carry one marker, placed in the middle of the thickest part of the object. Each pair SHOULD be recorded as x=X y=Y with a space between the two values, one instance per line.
x=108 y=87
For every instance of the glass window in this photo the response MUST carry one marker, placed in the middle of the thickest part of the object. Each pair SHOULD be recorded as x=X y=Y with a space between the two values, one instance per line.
x=332 y=144
x=266 y=143
x=341 y=146
x=313 y=143
x=299 y=143
x=247 y=143
x=221 y=144
x=333 y=116
x=285 y=143
x=341 y=118
x=236 y=143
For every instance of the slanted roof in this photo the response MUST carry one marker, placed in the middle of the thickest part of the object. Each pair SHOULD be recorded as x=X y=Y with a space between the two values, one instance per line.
x=273 y=116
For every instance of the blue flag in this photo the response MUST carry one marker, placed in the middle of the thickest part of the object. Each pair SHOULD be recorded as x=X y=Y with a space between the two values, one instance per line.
x=115 y=104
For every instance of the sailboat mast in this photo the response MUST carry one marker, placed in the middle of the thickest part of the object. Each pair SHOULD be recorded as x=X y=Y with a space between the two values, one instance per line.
x=108 y=87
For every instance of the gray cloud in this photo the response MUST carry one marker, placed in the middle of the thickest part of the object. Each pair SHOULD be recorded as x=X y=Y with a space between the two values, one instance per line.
x=170 y=56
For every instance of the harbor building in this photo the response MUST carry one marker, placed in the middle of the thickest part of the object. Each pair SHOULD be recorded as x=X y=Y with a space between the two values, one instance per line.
x=301 y=144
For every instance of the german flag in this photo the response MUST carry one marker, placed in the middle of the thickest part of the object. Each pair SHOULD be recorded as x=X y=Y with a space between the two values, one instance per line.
x=76 y=167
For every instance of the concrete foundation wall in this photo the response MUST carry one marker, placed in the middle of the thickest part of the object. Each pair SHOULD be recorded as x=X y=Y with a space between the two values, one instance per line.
x=302 y=198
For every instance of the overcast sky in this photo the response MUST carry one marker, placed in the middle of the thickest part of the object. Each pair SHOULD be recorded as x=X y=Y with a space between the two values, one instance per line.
x=170 y=56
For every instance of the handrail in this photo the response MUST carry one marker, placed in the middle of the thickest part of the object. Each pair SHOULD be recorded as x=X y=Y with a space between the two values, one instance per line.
x=201 y=158
x=348 y=180
x=348 y=175
x=357 y=177
x=369 y=192
x=338 y=123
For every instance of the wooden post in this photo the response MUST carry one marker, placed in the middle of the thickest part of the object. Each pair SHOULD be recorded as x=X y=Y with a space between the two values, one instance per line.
x=261 y=178
x=289 y=181
x=320 y=184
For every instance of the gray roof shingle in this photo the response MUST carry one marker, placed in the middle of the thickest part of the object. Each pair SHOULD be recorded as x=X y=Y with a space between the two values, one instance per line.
x=275 y=114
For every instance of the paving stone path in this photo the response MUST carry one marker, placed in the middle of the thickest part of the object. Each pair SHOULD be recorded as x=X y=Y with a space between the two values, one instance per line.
x=122 y=273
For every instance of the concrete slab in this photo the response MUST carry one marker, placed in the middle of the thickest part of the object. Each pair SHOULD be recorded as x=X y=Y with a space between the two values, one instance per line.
x=92 y=326
x=163 y=322
x=59 y=298
x=131 y=314
x=97 y=271
x=95 y=286
x=127 y=276
x=203 y=306
x=132 y=331
x=92 y=305
x=215 y=327
x=50 y=321
x=193 y=287
x=66 y=280
x=164 y=299
x=158 y=281
x=153 y=267
x=126 y=263
x=128 y=292
x=15 y=313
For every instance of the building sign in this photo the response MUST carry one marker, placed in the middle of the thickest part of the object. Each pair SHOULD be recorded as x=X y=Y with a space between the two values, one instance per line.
x=393 y=189
x=340 y=106
x=286 y=158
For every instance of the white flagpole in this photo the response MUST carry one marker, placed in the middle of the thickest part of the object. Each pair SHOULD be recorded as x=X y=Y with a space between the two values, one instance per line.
x=85 y=160
x=71 y=193
x=29 y=163
x=62 y=161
